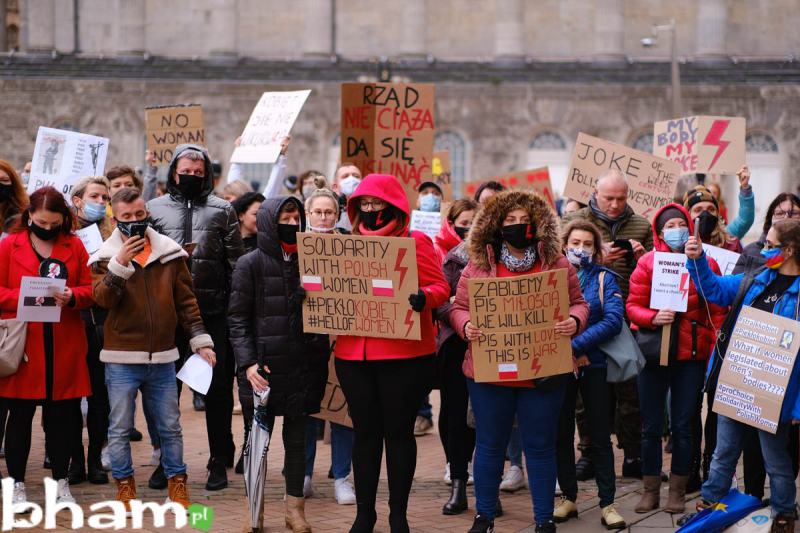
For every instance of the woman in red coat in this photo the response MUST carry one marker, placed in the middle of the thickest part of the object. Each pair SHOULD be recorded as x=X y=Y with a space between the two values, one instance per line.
x=54 y=375
x=691 y=343
x=385 y=380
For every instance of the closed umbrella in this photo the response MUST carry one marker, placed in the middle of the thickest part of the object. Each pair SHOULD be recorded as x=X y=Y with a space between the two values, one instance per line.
x=255 y=461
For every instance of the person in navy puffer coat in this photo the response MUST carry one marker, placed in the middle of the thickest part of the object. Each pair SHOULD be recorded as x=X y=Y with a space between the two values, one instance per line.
x=582 y=244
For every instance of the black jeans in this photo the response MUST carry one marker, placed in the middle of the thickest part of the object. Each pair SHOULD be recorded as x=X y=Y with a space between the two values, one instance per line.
x=99 y=408
x=384 y=397
x=294 y=446
x=596 y=396
x=458 y=439
x=755 y=472
x=58 y=421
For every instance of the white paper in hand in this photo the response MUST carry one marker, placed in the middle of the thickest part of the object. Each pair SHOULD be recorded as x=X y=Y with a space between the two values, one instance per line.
x=196 y=373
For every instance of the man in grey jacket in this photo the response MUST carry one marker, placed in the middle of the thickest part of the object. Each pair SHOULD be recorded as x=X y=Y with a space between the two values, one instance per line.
x=208 y=228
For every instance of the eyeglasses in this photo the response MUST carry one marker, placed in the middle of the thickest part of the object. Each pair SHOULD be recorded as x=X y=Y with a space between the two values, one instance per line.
x=372 y=205
x=780 y=214
x=323 y=214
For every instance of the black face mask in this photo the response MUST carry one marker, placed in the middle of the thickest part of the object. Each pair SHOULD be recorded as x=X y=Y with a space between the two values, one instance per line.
x=461 y=232
x=134 y=227
x=377 y=219
x=44 y=234
x=190 y=185
x=706 y=224
x=519 y=236
x=287 y=233
x=6 y=191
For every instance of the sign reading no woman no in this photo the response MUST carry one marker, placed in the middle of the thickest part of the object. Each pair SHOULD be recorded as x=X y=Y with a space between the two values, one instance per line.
x=516 y=316
x=169 y=126
x=357 y=285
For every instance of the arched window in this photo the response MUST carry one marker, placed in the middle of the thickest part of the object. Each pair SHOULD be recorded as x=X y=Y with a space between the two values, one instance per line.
x=643 y=143
x=760 y=143
x=549 y=149
x=456 y=146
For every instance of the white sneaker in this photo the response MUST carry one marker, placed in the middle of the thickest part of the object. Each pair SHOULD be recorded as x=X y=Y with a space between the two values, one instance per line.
x=64 y=495
x=155 y=457
x=105 y=459
x=308 y=487
x=447 y=479
x=470 y=479
x=19 y=495
x=513 y=480
x=343 y=490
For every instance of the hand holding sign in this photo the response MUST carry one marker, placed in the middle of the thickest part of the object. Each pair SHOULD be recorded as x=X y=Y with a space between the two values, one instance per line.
x=63 y=297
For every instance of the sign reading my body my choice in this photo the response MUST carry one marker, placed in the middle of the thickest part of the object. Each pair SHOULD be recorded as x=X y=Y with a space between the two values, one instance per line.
x=358 y=285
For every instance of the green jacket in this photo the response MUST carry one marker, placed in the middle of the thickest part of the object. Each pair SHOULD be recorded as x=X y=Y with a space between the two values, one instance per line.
x=637 y=228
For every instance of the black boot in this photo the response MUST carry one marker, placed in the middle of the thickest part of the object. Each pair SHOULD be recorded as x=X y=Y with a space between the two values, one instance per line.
x=457 y=503
x=97 y=476
x=481 y=524
x=632 y=467
x=198 y=401
x=158 y=480
x=695 y=481
x=584 y=469
x=365 y=520
x=217 y=476
x=77 y=471
x=398 y=522
x=546 y=527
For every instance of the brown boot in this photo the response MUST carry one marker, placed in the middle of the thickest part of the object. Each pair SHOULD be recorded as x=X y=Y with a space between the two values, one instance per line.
x=177 y=491
x=126 y=491
x=650 y=494
x=296 y=515
x=677 y=492
x=782 y=524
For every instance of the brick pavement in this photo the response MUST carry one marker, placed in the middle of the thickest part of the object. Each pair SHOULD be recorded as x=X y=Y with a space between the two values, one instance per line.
x=428 y=493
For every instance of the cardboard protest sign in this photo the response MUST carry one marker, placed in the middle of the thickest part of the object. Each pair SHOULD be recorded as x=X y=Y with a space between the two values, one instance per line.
x=440 y=170
x=170 y=125
x=537 y=179
x=272 y=120
x=670 y=286
x=334 y=405
x=652 y=181
x=755 y=373
x=702 y=144
x=61 y=158
x=516 y=316
x=426 y=222
x=724 y=258
x=387 y=128
x=357 y=285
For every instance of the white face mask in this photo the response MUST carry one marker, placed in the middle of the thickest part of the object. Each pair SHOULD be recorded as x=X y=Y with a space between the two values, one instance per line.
x=348 y=185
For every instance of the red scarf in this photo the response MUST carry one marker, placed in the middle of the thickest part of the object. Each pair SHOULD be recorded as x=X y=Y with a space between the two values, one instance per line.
x=388 y=230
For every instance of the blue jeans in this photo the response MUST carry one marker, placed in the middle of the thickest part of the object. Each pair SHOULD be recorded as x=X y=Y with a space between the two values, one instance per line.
x=426 y=409
x=537 y=415
x=160 y=393
x=778 y=463
x=514 y=450
x=341 y=448
x=685 y=380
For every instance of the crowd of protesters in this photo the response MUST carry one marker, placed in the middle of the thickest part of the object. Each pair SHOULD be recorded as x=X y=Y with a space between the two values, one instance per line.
x=189 y=265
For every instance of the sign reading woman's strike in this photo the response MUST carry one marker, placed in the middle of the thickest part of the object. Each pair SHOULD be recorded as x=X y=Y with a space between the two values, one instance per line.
x=357 y=285
x=755 y=373
x=516 y=317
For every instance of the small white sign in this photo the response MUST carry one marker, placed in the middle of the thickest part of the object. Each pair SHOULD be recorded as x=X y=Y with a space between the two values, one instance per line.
x=91 y=238
x=670 y=286
x=36 y=299
x=196 y=373
x=724 y=258
x=426 y=222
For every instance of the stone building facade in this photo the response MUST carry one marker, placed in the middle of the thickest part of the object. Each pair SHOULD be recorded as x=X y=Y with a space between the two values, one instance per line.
x=516 y=80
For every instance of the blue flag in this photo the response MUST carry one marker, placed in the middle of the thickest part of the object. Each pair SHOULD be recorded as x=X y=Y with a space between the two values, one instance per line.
x=729 y=510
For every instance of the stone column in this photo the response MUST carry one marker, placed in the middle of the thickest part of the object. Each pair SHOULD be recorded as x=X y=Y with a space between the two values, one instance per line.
x=64 y=31
x=413 y=42
x=317 y=29
x=609 y=30
x=712 y=23
x=131 y=27
x=508 y=38
x=223 y=28
x=38 y=25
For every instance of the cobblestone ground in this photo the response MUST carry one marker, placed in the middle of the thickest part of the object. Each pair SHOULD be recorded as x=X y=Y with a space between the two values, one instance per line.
x=428 y=494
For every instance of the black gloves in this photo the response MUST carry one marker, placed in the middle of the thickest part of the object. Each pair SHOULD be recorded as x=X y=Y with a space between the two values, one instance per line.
x=417 y=301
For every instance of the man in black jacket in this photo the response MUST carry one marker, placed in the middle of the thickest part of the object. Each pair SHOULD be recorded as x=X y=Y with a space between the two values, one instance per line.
x=208 y=228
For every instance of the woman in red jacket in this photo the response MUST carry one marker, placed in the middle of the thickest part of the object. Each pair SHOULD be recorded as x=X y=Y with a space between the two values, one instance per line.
x=515 y=234
x=55 y=374
x=385 y=380
x=454 y=227
x=691 y=342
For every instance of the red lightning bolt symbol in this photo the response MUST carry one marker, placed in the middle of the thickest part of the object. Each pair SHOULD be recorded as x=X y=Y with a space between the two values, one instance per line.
x=535 y=366
x=714 y=138
x=684 y=288
x=408 y=321
x=401 y=253
x=557 y=314
x=552 y=280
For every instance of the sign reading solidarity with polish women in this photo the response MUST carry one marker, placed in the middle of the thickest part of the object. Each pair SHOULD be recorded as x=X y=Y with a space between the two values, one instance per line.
x=702 y=144
x=537 y=180
x=516 y=317
x=358 y=285
x=756 y=370
x=652 y=181
x=387 y=128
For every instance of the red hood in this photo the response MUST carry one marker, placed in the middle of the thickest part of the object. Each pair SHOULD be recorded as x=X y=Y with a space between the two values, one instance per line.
x=658 y=243
x=447 y=239
x=382 y=186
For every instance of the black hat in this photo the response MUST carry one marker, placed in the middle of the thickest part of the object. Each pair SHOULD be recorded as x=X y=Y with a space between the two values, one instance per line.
x=429 y=184
x=668 y=214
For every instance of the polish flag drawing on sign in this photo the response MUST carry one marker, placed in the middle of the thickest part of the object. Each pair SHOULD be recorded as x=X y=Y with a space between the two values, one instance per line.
x=382 y=287
x=507 y=370
x=312 y=283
